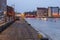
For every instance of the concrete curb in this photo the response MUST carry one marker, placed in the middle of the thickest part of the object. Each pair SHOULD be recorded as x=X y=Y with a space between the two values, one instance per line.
x=3 y=27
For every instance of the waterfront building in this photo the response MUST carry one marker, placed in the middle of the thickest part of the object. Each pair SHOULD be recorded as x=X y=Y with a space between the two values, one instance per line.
x=30 y=14
x=18 y=14
x=59 y=12
x=49 y=12
x=53 y=11
x=42 y=12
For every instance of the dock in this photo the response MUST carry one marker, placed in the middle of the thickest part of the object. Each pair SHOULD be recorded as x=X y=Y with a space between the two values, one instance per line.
x=19 y=30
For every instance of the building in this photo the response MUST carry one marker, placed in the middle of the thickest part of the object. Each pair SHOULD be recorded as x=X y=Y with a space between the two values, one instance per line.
x=59 y=12
x=53 y=11
x=30 y=14
x=10 y=13
x=42 y=12
x=3 y=10
x=18 y=14
x=3 y=7
x=49 y=12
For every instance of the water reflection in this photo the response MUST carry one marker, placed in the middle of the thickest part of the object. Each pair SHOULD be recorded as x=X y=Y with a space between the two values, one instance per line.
x=51 y=26
x=50 y=19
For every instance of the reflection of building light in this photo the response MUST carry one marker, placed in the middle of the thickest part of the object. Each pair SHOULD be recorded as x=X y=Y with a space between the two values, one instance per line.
x=44 y=19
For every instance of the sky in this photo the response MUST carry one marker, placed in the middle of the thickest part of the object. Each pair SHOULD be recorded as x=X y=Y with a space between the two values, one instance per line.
x=31 y=5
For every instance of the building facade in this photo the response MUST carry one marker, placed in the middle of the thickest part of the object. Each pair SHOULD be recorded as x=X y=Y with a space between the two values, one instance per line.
x=3 y=7
x=10 y=13
x=30 y=14
x=59 y=12
x=53 y=11
x=42 y=12
x=49 y=12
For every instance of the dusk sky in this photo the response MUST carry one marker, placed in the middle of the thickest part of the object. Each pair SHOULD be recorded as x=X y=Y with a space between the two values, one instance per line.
x=30 y=5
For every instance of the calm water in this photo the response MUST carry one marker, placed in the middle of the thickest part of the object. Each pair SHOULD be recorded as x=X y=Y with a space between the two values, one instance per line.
x=50 y=27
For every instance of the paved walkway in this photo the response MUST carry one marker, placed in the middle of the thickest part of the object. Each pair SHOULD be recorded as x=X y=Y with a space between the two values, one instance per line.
x=20 y=30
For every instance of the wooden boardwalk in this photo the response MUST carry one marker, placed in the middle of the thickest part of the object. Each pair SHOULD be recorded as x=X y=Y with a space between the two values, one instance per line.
x=20 y=30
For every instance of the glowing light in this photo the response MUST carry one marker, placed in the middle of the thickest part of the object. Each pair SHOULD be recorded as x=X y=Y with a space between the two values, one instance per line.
x=44 y=19
x=59 y=13
x=4 y=12
x=22 y=15
x=55 y=15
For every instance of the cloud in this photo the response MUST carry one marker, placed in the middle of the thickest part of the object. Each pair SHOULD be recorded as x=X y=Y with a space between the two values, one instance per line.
x=26 y=5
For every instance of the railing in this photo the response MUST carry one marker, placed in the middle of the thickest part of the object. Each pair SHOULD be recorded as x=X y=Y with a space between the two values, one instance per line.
x=2 y=20
x=5 y=19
